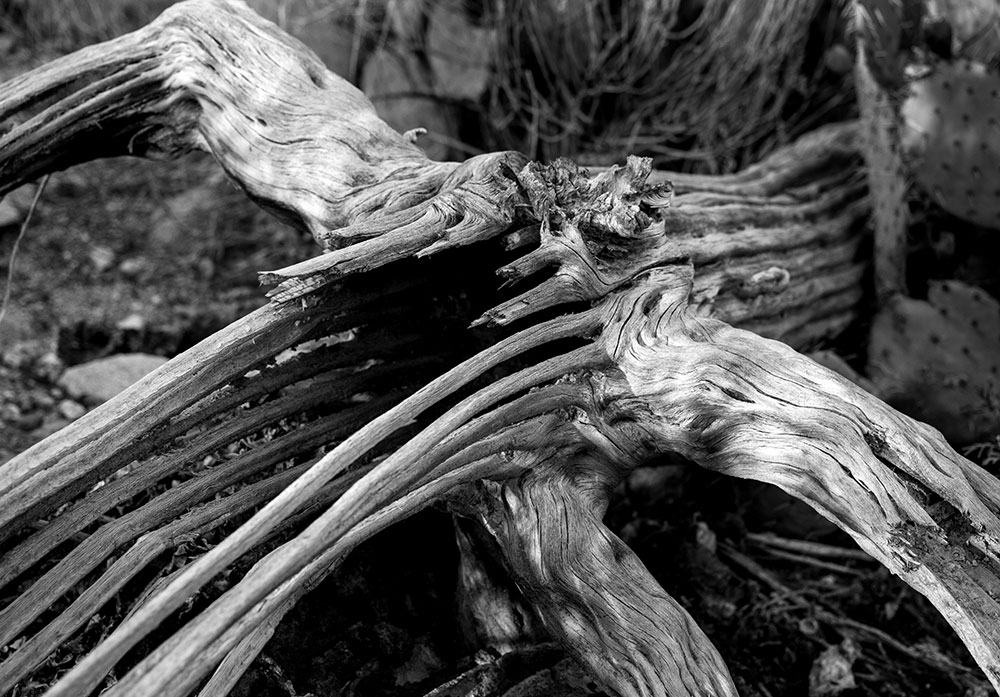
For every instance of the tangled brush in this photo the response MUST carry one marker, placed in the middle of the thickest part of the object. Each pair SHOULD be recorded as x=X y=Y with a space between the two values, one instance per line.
x=708 y=81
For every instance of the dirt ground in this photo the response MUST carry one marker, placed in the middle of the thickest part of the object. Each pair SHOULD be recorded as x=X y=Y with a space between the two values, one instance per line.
x=121 y=256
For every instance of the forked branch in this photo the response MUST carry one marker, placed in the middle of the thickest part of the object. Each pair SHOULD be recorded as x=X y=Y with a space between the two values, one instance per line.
x=536 y=425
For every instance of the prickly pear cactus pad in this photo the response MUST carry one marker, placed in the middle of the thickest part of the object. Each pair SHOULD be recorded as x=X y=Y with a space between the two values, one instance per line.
x=939 y=360
x=951 y=134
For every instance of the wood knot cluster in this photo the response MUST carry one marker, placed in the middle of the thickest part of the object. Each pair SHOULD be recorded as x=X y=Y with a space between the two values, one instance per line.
x=618 y=202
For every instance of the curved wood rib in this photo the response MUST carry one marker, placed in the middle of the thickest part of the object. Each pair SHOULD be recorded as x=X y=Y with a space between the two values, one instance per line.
x=750 y=407
x=779 y=248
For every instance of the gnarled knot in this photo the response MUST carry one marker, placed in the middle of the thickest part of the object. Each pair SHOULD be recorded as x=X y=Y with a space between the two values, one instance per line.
x=618 y=202
x=644 y=314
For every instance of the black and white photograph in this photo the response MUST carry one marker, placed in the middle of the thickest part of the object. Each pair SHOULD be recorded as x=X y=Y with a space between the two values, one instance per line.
x=499 y=348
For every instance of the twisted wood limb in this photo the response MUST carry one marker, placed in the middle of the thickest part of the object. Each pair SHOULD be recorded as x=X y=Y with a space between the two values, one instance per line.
x=750 y=407
x=746 y=406
x=305 y=144
x=592 y=592
x=778 y=248
x=678 y=383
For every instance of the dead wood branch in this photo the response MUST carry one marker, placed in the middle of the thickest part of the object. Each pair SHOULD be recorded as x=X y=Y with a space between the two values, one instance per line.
x=308 y=146
x=525 y=432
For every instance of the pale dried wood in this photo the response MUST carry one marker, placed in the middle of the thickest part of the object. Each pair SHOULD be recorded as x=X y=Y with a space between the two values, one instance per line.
x=112 y=536
x=195 y=522
x=214 y=76
x=649 y=374
x=395 y=474
x=750 y=407
x=782 y=264
x=688 y=418
x=91 y=507
x=591 y=591
x=52 y=472
x=493 y=612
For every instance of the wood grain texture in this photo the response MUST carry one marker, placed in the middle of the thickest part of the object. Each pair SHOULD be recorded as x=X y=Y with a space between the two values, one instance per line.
x=750 y=407
x=590 y=590
x=533 y=430
x=308 y=146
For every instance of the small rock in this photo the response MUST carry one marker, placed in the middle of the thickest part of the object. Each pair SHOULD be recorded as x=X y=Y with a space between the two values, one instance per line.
x=132 y=267
x=6 y=44
x=70 y=410
x=9 y=215
x=9 y=413
x=98 y=381
x=422 y=663
x=48 y=367
x=102 y=258
x=832 y=673
x=705 y=537
x=15 y=205
x=809 y=626
x=22 y=355
x=134 y=323
x=838 y=59
x=206 y=268
x=43 y=400
x=22 y=399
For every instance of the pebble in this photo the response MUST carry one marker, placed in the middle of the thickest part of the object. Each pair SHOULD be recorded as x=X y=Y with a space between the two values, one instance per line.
x=22 y=354
x=134 y=322
x=132 y=267
x=71 y=410
x=102 y=258
x=48 y=366
x=14 y=206
x=99 y=380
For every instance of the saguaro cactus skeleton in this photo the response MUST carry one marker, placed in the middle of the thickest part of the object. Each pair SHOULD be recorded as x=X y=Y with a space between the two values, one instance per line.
x=620 y=353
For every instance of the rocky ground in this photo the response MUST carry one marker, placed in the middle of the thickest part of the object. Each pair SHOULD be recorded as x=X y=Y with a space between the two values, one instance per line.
x=126 y=259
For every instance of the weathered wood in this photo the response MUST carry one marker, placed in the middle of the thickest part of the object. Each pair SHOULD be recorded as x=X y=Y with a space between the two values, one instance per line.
x=308 y=146
x=52 y=472
x=201 y=383
x=592 y=592
x=859 y=463
x=547 y=419
x=493 y=612
x=746 y=406
x=762 y=260
x=195 y=522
